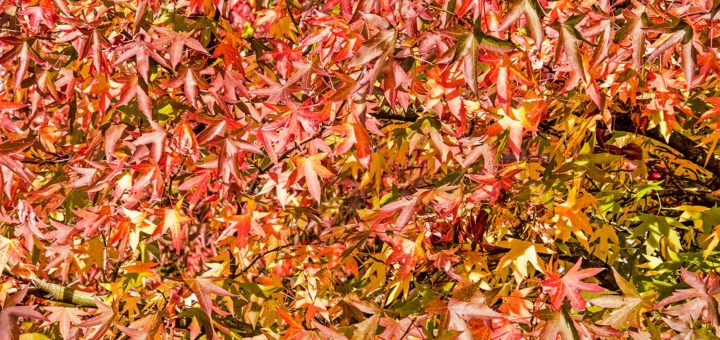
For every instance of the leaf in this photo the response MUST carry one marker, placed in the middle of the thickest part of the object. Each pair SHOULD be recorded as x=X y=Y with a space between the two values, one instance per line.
x=174 y=221
x=683 y=33
x=634 y=28
x=630 y=306
x=459 y=312
x=533 y=15
x=570 y=285
x=11 y=147
x=142 y=52
x=203 y=288
x=406 y=327
x=328 y=332
x=157 y=140
x=570 y=45
x=229 y=55
x=135 y=88
x=366 y=329
x=661 y=232
x=571 y=216
x=87 y=177
x=40 y=14
x=467 y=48
x=713 y=112
x=558 y=324
x=191 y=83
x=104 y=317
x=476 y=5
x=199 y=319
x=521 y=253
x=177 y=42
x=200 y=184
x=112 y=136
x=11 y=106
x=492 y=44
x=407 y=207
x=702 y=304
x=515 y=130
x=66 y=317
x=356 y=135
x=11 y=311
x=142 y=268
x=242 y=225
x=30 y=225
x=406 y=253
x=312 y=303
x=24 y=63
x=380 y=44
x=310 y=168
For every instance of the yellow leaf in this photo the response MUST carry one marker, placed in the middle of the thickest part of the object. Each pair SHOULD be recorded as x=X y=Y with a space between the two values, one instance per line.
x=521 y=253
x=283 y=29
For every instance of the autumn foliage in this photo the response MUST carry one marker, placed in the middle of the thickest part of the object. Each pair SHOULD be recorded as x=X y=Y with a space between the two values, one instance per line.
x=359 y=169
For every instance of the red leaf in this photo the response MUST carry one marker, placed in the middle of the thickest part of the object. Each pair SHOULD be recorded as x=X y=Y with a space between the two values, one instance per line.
x=103 y=318
x=87 y=177
x=157 y=141
x=467 y=47
x=191 y=82
x=634 y=29
x=533 y=15
x=229 y=54
x=570 y=45
x=713 y=112
x=11 y=311
x=173 y=220
x=460 y=312
x=310 y=168
x=40 y=14
x=112 y=135
x=381 y=43
x=29 y=224
x=23 y=66
x=177 y=41
x=406 y=206
x=142 y=52
x=702 y=303
x=10 y=106
x=66 y=317
x=358 y=136
x=203 y=288
x=570 y=285
x=135 y=88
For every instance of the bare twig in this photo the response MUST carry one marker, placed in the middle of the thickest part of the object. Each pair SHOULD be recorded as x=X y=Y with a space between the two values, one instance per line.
x=259 y=256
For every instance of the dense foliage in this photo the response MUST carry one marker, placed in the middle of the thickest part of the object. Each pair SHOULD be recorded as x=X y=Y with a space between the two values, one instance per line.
x=359 y=169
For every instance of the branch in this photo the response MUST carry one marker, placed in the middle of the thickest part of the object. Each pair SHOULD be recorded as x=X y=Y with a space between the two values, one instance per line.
x=258 y=257
x=684 y=145
x=386 y=112
x=58 y=293
x=681 y=143
x=40 y=161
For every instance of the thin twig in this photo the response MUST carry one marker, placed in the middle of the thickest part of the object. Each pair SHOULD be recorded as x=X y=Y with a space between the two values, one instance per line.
x=259 y=256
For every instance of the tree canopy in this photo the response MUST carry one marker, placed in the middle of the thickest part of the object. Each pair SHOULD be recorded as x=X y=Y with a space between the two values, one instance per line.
x=346 y=169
